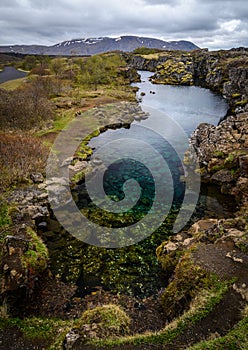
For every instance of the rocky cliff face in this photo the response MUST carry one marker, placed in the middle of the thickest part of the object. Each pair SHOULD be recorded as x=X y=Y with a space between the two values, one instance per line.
x=224 y=72
x=223 y=155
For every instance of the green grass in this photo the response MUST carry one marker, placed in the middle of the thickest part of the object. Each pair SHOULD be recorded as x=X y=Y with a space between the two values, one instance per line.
x=12 y=84
x=5 y=219
x=52 y=331
x=59 y=123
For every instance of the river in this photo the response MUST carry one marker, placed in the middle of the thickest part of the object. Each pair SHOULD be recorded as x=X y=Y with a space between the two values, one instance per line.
x=186 y=105
x=10 y=73
x=134 y=269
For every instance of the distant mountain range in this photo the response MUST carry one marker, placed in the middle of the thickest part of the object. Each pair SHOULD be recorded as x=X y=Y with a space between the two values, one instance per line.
x=93 y=46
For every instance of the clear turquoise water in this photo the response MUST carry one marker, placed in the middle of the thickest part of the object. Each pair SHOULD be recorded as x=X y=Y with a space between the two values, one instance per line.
x=134 y=269
x=187 y=106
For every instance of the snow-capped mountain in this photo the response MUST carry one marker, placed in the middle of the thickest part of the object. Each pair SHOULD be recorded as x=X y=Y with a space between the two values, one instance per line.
x=91 y=46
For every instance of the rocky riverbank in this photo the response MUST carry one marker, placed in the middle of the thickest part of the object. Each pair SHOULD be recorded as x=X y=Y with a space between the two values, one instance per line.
x=225 y=72
x=222 y=152
x=223 y=155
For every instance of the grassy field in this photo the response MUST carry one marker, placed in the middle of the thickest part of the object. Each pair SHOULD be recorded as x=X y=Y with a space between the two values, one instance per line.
x=13 y=84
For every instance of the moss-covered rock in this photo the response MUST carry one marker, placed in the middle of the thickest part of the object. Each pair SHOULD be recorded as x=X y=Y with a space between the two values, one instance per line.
x=174 y=72
x=222 y=152
x=106 y=320
x=5 y=218
x=102 y=322
x=24 y=258
x=35 y=258
x=188 y=280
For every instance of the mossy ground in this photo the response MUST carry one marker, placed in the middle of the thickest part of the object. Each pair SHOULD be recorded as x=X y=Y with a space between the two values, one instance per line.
x=36 y=256
x=110 y=321
x=5 y=218
x=188 y=280
x=199 y=309
x=49 y=332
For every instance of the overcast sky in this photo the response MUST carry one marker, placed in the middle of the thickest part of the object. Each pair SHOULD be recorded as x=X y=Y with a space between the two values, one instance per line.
x=208 y=23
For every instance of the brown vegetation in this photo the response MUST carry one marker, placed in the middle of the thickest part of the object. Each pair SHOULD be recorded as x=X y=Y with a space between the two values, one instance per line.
x=26 y=107
x=20 y=155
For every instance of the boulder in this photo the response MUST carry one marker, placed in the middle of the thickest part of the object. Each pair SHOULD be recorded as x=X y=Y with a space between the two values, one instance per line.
x=243 y=165
x=222 y=176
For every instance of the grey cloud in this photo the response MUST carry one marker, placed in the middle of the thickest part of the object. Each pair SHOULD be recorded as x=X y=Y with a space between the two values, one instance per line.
x=162 y=2
x=207 y=23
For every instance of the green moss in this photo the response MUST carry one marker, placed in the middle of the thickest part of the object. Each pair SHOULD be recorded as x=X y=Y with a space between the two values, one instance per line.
x=231 y=162
x=241 y=103
x=5 y=218
x=216 y=168
x=108 y=320
x=237 y=95
x=36 y=256
x=230 y=158
x=5 y=222
x=188 y=280
x=50 y=330
x=85 y=151
x=187 y=79
x=78 y=177
x=168 y=261
x=242 y=244
x=174 y=72
x=219 y=154
x=204 y=303
x=93 y=134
